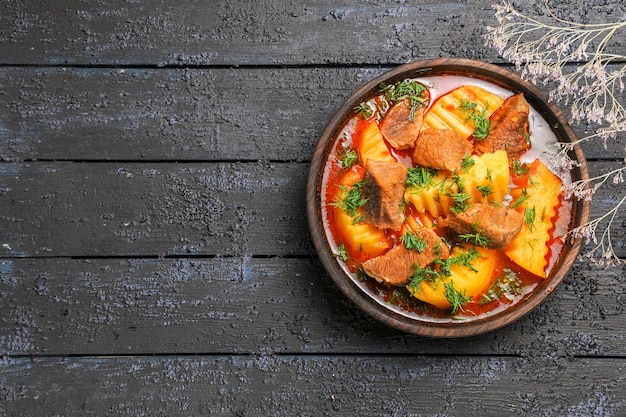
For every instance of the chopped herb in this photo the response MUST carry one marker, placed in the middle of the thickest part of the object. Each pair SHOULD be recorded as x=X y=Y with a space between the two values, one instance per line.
x=464 y=259
x=364 y=109
x=461 y=202
x=420 y=176
x=475 y=238
x=529 y=217
x=358 y=219
x=488 y=176
x=467 y=163
x=341 y=253
x=482 y=126
x=456 y=298
x=347 y=157
x=521 y=199
x=420 y=275
x=485 y=190
x=456 y=178
x=508 y=286
x=467 y=105
x=520 y=168
x=413 y=242
x=412 y=90
x=353 y=198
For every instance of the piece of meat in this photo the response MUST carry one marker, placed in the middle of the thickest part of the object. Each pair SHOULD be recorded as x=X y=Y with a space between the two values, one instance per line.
x=497 y=225
x=509 y=129
x=395 y=267
x=384 y=191
x=441 y=149
x=398 y=129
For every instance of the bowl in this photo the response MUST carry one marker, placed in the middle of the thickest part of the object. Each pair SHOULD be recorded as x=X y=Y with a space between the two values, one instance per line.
x=362 y=293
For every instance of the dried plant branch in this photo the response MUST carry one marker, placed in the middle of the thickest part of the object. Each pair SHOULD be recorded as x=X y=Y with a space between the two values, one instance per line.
x=594 y=91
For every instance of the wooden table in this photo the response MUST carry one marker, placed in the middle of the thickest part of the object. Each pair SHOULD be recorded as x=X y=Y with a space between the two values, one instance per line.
x=155 y=258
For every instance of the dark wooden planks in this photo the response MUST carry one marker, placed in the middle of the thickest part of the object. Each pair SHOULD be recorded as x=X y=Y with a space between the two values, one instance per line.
x=156 y=209
x=242 y=305
x=253 y=33
x=264 y=385
x=179 y=114
x=75 y=209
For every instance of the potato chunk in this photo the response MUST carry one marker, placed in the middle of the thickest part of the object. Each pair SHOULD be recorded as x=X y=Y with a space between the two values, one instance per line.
x=371 y=144
x=539 y=205
x=471 y=278
x=450 y=110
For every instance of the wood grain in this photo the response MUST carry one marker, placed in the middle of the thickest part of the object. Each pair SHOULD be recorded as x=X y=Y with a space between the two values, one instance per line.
x=280 y=305
x=212 y=114
x=257 y=33
x=260 y=384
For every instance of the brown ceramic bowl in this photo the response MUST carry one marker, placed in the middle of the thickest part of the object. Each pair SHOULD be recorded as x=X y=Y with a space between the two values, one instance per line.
x=361 y=294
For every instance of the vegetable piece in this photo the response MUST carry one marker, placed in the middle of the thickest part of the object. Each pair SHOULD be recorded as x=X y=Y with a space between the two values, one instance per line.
x=361 y=239
x=539 y=204
x=439 y=193
x=371 y=144
x=457 y=109
x=489 y=172
x=431 y=196
x=468 y=272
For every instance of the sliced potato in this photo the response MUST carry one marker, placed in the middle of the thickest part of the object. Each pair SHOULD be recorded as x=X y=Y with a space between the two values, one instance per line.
x=448 y=113
x=372 y=144
x=529 y=249
x=487 y=180
x=471 y=282
x=432 y=198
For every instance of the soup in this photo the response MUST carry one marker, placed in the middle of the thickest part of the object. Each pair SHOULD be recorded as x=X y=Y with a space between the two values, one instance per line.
x=438 y=196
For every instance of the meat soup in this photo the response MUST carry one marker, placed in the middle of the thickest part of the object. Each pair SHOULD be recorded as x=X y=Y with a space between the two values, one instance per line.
x=438 y=197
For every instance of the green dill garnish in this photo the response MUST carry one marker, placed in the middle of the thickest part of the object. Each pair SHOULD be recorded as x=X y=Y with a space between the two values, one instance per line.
x=488 y=176
x=347 y=157
x=467 y=163
x=475 y=238
x=353 y=198
x=461 y=202
x=482 y=126
x=406 y=89
x=464 y=259
x=521 y=199
x=529 y=217
x=456 y=179
x=456 y=298
x=341 y=253
x=485 y=190
x=467 y=105
x=413 y=242
x=520 y=168
x=420 y=176
x=508 y=286
x=420 y=275
x=364 y=110
x=358 y=219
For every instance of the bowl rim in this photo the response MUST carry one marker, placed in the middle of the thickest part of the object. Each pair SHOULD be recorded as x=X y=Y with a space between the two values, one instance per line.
x=498 y=76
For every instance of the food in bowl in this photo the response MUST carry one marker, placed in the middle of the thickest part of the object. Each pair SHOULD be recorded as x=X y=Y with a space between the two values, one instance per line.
x=437 y=196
